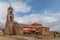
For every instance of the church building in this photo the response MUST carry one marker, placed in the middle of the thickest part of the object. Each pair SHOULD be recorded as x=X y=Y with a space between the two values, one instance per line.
x=12 y=28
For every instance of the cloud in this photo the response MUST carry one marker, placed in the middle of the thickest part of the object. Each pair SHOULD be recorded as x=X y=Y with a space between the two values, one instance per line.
x=3 y=11
x=49 y=20
x=21 y=7
x=55 y=26
x=36 y=18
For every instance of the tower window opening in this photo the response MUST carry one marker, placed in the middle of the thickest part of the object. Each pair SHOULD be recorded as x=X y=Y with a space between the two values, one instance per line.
x=10 y=12
x=10 y=18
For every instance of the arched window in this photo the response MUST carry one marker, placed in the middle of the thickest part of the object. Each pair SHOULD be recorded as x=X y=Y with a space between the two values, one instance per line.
x=10 y=18
x=10 y=11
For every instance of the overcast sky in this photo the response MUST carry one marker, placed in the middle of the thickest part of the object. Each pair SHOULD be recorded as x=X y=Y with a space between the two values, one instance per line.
x=46 y=12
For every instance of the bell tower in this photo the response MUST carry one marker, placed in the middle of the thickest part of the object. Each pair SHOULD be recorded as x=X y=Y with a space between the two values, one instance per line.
x=10 y=28
x=10 y=16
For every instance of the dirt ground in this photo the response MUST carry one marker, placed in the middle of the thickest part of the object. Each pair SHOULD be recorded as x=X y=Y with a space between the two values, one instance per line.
x=2 y=37
x=5 y=38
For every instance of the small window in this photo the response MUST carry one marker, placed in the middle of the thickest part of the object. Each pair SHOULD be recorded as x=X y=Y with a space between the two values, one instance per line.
x=24 y=33
x=37 y=33
x=21 y=29
x=29 y=33
x=45 y=29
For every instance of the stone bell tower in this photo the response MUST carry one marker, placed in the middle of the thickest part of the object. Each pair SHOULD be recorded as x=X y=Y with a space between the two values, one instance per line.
x=10 y=28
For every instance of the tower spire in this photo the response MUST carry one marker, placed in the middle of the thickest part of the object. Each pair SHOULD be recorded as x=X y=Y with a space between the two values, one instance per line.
x=10 y=2
x=10 y=5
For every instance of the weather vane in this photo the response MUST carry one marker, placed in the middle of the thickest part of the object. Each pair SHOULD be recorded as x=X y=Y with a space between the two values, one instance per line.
x=10 y=1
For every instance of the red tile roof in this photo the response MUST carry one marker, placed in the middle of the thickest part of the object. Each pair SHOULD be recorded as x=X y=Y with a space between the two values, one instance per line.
x=31 y=25
x=26 y=25
x=25 y=30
